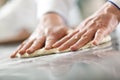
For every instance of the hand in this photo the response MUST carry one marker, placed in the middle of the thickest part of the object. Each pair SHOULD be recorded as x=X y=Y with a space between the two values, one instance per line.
x=51 y=29
x=93 y=29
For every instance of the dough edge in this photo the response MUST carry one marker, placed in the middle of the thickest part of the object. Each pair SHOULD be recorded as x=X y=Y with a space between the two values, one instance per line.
x=42 y=51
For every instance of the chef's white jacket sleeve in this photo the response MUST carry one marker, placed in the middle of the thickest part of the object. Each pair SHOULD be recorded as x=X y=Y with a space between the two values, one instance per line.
x=115 y=2
x=62 y=7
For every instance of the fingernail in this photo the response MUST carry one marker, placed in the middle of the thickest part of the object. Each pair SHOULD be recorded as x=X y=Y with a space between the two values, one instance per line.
x=54 y=46
x=21 y=52
x=94 y=43
x=73 y=48
x=61 y=49
x=13 y=56
x=28 y=51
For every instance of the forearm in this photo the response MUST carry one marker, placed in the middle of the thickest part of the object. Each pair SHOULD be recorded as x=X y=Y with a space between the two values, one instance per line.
x=2 y=2
x=111 y=9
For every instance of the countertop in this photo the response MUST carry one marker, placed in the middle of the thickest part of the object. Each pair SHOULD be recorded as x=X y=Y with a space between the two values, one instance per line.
x=91 y=64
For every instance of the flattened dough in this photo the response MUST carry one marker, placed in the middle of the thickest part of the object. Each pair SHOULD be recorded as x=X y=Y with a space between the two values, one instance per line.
x=42 y=51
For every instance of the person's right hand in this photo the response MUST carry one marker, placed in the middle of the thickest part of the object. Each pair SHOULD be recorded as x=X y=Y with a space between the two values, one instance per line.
x=51 y=29
x=93 y=29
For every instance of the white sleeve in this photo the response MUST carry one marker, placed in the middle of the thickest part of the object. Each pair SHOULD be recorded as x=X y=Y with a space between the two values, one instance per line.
x=116 y=3
x=62 y=7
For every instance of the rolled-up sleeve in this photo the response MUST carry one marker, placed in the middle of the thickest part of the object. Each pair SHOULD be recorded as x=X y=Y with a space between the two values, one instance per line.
x=61 y=7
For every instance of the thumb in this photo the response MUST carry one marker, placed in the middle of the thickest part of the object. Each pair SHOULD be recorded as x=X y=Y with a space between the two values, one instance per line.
x=98 y=37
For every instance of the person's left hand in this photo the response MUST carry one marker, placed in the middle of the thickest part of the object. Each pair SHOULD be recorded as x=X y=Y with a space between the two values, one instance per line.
x=94 y=29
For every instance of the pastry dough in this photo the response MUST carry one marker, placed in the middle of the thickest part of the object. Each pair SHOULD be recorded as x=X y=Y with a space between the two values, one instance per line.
x=42 y=51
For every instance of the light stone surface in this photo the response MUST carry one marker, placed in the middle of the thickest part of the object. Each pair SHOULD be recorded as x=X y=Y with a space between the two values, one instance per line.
x=93 y=63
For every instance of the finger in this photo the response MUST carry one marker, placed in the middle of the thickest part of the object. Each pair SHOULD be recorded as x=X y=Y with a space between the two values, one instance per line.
x=19 y=47
x=87 y=37
x=63 y=40
x=49 y=42
x=25 y=47
x=71 y=41
x=98 y=37
x=38 y=43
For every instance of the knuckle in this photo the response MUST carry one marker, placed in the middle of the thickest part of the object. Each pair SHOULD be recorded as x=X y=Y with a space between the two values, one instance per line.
x=85 y=36
x=100 y=31
x=50 y=38
x=67 y=37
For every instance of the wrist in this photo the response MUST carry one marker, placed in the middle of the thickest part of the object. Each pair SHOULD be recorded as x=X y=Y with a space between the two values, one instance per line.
x=51 y=20
x=112 y=9
x=109 y=9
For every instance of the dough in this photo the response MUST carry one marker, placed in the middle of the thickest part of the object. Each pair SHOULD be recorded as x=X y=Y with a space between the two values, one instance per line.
x=42 y=51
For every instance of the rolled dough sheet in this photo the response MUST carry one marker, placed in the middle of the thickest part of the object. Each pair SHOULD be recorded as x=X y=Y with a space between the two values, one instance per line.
x=42 y=51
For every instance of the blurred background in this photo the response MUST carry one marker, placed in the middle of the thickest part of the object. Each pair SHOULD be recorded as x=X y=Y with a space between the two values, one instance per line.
x=18 y=19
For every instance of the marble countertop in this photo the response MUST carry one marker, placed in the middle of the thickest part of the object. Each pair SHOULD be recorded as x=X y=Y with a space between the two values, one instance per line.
x=91 y=64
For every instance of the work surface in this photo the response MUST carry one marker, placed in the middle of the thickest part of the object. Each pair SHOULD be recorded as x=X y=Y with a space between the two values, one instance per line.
x=100 y=63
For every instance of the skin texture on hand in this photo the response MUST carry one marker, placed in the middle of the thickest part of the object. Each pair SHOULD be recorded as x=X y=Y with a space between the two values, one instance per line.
x=50 y=29
x=93 y=29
